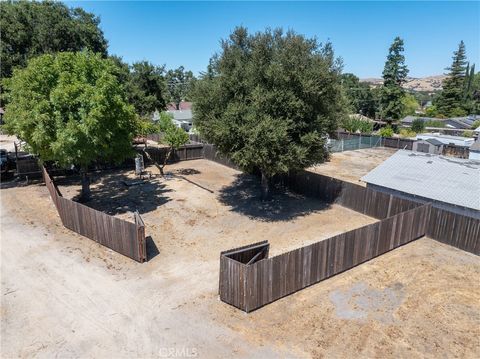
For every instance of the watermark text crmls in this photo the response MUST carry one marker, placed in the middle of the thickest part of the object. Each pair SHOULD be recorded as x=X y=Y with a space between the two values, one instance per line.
x=183 y=352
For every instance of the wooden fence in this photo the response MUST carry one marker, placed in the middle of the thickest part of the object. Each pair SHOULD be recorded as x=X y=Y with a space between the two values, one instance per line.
x=249 y=283
x=124 y=237
x=361 y=199
x=211 y=153
x=454 y=229
x=184 y=153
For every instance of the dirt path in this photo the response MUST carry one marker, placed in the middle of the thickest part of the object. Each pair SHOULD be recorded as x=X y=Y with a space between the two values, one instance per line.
x=64 y=295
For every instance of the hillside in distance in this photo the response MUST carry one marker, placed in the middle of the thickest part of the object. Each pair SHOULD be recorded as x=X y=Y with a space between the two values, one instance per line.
x=429 y=83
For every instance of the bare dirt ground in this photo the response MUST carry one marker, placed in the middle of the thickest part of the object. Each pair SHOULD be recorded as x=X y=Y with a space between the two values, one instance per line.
x=64 y=295
x=350 y=166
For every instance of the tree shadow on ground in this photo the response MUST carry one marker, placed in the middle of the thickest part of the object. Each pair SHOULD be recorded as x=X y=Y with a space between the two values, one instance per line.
x=244 y=196
x=111 y=194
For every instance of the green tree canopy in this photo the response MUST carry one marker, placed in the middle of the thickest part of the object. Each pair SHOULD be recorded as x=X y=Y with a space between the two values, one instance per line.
x=360 y=97
x=34 y=28
x=410 y=104
x=145 y=85
x=147 y=88
x=394 y=75
x=418 y=125
x=70 y=108
x=269 y=100
x=451 y=101
x=179 y=84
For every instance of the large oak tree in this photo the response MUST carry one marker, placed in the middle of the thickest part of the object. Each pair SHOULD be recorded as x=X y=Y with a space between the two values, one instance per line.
x=269 y=100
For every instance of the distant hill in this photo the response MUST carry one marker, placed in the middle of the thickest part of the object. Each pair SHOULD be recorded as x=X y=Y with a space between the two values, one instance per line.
x=429 y=83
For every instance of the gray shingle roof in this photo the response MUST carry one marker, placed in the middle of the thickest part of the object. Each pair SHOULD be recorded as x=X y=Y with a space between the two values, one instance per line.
x=445 y=179
x=475 y=146
x=434 y=141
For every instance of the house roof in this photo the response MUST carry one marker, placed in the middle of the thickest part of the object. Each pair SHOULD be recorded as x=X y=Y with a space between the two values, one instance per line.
x=181 y=115
x=183 y=105
x=446 y=139
x=475 y=147
x=434 y=141
x=446 y=179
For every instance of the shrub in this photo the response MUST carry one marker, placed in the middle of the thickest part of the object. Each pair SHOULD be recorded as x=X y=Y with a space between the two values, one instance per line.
x=418 y=125
x=386 y=131
x=407 y=133
x=351 y=124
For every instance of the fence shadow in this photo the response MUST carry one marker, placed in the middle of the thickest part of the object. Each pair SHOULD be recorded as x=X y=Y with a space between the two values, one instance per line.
x=111 y=194
x=244 y=196
x=152 y=249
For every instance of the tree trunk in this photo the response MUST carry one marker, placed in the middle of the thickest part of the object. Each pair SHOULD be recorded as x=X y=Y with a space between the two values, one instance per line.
x=266 y=195
x=165 y=161
x=85 y=195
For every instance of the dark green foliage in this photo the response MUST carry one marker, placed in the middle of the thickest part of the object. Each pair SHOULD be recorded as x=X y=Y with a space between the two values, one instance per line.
x=418 y=125
x=70 y=108
x=353 y=124
x=386 y=131
x=394 y=75
x=33 y=28
x=360 y=97
x=269 y=100
x=145 y=85
x=179 y=84
x=451 y=101
x=147 y=88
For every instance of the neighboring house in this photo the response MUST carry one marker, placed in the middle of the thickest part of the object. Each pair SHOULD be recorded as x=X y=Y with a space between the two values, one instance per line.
x=182 y=106
x=448 y=183
x=447 y=140
x=430 y=145
x=459 y=123
x=407 y=120
x=182 y=118
x=474 y=153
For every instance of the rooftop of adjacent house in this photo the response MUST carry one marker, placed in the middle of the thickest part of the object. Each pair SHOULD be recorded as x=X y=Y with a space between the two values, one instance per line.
x=475 y=147
x=183 y=105
x=450 y=180
x=181 y=115
x=434 y=141
x=446 y=139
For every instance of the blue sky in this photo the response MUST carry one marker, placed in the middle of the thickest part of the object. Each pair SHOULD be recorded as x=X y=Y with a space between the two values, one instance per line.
x=188 y=33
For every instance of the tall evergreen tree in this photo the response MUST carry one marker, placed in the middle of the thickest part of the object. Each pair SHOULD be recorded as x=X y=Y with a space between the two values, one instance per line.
x=394 y=75
x=451 y=101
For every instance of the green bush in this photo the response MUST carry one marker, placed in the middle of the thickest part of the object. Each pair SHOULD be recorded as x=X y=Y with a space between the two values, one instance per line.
x=434 y=123
x=407 y=133
x=467 y=133
x=476 y=124
x=351 y=124
x=386 y=131
x=418 y=125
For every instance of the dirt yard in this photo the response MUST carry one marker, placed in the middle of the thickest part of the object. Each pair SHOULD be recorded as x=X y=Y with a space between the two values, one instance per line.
x=64 y=295
x=352 y=165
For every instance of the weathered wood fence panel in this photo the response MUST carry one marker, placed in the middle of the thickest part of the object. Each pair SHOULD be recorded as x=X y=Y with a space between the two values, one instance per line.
x=251 y=286
x=361 y=199
x=184 y=153
x=211 y=153
x=454 y=229
x=124 y=237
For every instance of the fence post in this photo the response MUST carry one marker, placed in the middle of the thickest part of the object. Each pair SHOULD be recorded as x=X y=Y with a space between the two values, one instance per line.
x=342 y=145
